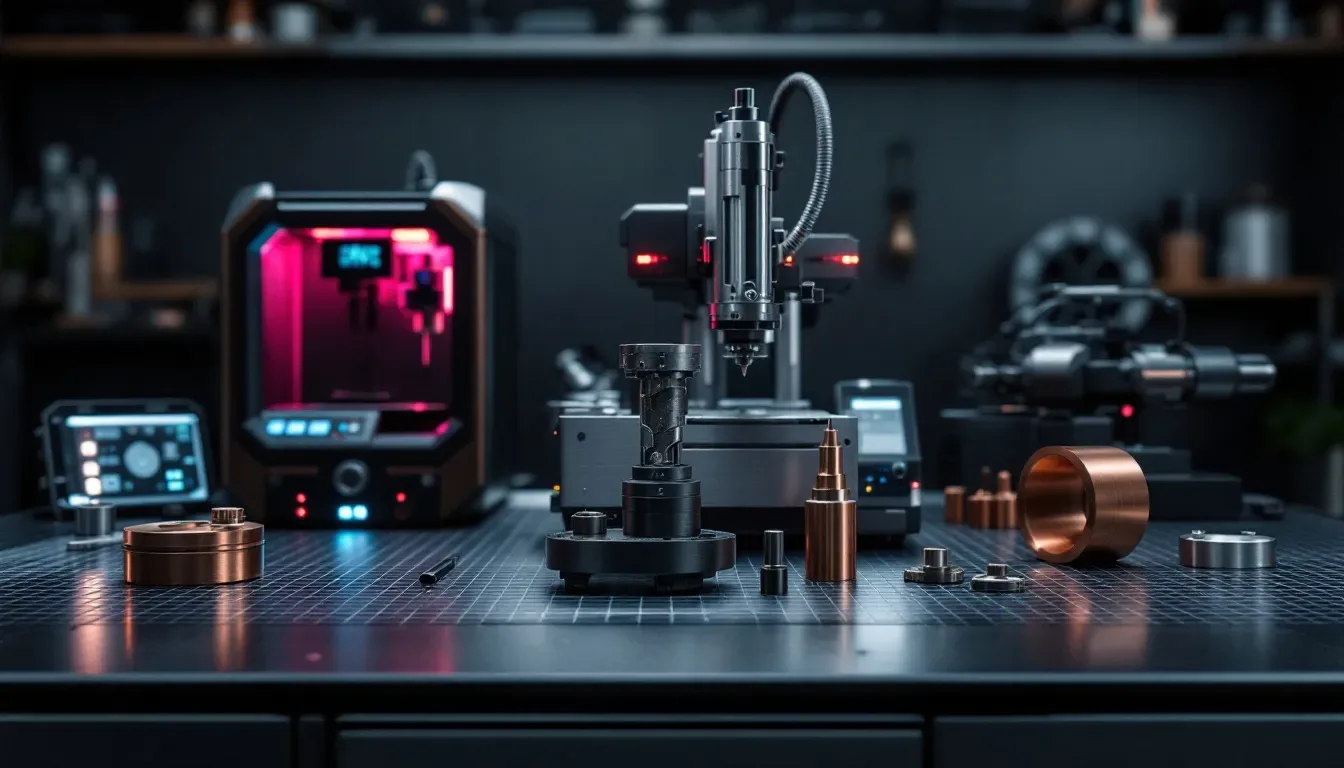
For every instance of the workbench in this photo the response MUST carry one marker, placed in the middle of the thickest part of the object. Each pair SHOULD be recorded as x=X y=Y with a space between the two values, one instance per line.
x=338 y=656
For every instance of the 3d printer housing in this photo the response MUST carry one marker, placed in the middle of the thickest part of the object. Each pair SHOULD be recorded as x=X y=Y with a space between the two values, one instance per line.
x=340 y=406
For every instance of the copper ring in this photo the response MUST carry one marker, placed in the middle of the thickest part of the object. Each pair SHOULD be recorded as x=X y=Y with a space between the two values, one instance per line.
x=1089 y=503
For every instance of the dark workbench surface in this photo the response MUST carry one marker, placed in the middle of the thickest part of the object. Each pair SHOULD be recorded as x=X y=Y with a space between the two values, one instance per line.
x=341 y=612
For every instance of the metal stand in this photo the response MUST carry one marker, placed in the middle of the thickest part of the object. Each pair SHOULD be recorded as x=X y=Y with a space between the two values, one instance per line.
x=660 y=503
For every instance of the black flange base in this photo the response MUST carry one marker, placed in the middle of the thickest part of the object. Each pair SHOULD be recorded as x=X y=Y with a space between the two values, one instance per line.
x=676 y=565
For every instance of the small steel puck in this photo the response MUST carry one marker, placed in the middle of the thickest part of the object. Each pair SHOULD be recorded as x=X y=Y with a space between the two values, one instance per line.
x=935 y=569
x=1232 y=551
x=997 y=579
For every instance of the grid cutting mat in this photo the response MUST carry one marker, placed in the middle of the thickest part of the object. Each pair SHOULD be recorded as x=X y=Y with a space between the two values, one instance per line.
x=369 y=577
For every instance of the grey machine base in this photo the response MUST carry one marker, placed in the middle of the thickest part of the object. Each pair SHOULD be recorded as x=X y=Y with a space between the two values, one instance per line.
x=755 y=467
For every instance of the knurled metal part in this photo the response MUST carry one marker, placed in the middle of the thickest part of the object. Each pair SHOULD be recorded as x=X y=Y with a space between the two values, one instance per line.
x=935 y=569
x=228 y=516
x=997 y=579
x=653 y=359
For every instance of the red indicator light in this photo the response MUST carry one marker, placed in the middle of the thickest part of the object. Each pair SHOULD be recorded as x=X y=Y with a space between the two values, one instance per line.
x=1126 y=411
x=788 y=260
x=848 y=259
x=300 y=513
x=704 y=252
x=401 y=498
x=914 y=485
x=301 y=498
x=648 y=259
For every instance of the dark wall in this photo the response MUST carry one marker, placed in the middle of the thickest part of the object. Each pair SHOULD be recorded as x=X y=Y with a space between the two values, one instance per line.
x=996 y=157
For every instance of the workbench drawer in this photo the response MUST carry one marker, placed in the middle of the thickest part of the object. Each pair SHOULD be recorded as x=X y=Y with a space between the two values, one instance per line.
x=627 y=748
x=1151 y=741
x=210 y=741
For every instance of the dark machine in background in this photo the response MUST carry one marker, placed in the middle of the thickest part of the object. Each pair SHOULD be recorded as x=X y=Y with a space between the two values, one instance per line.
x=368 y=355
x=1042 y=381
x=888 y=486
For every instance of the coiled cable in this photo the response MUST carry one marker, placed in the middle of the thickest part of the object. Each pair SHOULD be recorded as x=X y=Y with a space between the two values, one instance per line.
x=821 y=180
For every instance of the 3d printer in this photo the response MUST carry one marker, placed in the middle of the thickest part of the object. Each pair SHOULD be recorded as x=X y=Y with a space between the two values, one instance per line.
x=367 y=355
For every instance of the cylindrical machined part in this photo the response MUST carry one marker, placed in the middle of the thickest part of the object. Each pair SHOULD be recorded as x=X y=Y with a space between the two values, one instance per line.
x=588 y=522
x=1005 y=510
x=774 y=573
x=1082 y=503
x=980 y=510
x=228 y=516
x=997 y=579
x=94 y=520
x=831 y=518
x=661 y=503
x=954 y=504
x=1004 y=482
x=935 y=557
x=935 y=569
x=1240 y=551
x=831 y=531
x=192 y=553
x=774 y=547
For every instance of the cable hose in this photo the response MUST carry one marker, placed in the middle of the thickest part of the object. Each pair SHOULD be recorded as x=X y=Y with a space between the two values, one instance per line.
x=821 y=181
x=421 y=173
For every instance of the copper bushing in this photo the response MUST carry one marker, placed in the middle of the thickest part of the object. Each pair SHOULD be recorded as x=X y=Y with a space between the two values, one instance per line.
x=954 y=504
x=1088 y=503
x=830 y=518
x=192 y=553
x=980 y=509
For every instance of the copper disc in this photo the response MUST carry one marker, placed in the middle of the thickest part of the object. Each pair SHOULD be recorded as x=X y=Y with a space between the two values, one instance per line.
x=192 y=553
x=1087 y=502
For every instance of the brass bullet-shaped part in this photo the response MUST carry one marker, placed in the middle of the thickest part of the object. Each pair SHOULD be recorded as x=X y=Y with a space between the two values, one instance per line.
x=1005 y=482
x=954 y=504
x=830 y=518
x=980 y=509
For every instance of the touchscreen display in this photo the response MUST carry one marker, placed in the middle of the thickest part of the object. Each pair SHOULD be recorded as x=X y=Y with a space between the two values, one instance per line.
x=132 y=459
x=881 y=425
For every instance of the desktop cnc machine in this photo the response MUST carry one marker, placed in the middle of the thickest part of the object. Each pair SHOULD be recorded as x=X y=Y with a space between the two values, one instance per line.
x=367 y=355
x=744 y=283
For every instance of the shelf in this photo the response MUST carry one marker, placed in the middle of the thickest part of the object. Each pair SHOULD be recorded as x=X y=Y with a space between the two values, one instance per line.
x=782 y=48
x=1287 y=288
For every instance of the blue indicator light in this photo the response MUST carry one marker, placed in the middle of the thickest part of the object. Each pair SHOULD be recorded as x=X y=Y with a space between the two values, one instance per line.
x=275 y=427
x=868 y=479
x=319 y=428
x=882 y=480
x=175 y=486
x=345 y=513
x=342 y=427
x=361 y=512
x=295 y=427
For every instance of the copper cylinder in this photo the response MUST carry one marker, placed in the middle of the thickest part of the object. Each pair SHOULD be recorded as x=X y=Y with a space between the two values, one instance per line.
x=980 y=509
x=954 y=504
x=192 y=553
x=1005 y=510
x=1082 y=503
x=830 y=518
